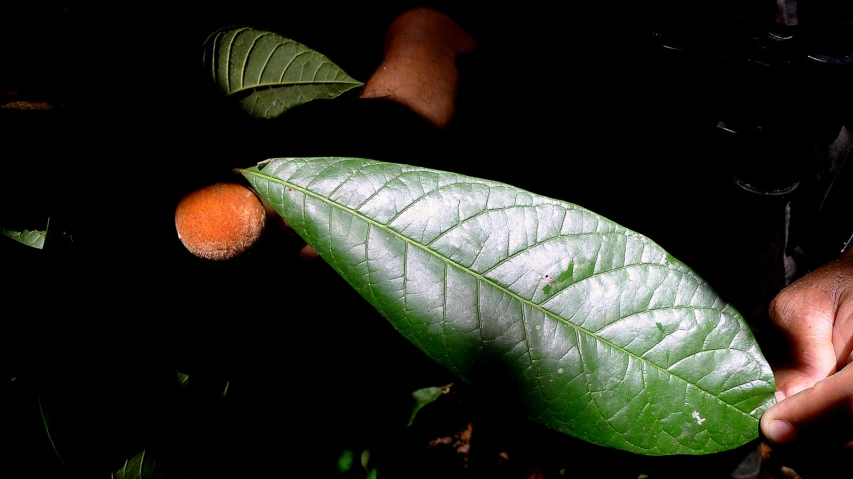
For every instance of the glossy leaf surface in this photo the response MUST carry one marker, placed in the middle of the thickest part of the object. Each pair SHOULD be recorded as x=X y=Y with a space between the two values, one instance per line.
x=269 y=73
x=605 y=335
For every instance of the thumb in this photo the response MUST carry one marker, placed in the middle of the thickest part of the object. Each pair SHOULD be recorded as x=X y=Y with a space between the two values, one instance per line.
x=821 y=413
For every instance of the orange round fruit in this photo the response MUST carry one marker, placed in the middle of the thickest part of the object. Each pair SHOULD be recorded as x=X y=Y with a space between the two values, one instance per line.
x=220 y=221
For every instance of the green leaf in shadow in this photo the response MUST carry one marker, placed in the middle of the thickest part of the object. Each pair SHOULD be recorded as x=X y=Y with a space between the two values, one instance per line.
x=269 y=73
x=140 y=466
x=183 y=379
x=629 y=348
x=345 y=461
x=47 y=430
x=27 y=237
x=425 y=396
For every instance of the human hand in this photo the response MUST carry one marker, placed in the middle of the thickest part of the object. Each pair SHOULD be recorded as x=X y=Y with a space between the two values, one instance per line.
x=814 y=386
x=419 y=68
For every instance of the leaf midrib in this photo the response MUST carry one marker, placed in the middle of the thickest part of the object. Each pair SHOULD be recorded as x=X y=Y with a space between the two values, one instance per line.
x=354 y=83
x=480 y=277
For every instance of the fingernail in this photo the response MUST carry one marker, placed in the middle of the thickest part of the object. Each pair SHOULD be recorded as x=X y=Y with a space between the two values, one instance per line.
x=780 y=396
x=780 y=432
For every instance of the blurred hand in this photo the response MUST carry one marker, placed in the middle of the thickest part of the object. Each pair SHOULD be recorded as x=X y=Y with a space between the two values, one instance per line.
x=814 y=386
x=419 y=68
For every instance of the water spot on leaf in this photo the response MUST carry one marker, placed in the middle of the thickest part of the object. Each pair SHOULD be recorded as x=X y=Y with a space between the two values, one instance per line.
x=699 y=420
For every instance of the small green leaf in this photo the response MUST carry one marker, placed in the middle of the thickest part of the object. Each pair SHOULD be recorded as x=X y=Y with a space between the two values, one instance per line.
x=629 y=348
x=269 y=73
x=365 y=458
x=140 y=466
x=345 y=461
x=183 y=379
x=423 y=397
x=27 y=237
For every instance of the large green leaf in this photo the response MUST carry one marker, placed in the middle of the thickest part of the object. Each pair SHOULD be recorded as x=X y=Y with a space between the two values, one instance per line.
x=605 y=335
x=269 y=73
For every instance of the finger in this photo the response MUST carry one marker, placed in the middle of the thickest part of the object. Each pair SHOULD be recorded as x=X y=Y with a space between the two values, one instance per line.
x=819 y=414
x=803 y=317
x=791 y=380
x=822 y=298
x=307 y=253
x=842 y=337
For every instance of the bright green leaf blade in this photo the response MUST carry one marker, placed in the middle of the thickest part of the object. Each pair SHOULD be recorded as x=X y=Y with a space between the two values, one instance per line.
x=269 y=73
x=423 y=397
x=140 y=466
x=631 y=349
x=345 y=461
x=27 y=237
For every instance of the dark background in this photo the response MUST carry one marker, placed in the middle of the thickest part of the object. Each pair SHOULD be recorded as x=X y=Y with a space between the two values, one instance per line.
x=614 y=107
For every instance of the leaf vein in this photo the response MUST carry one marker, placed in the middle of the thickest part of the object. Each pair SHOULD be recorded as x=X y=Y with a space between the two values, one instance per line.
x=578 y=329
x=246 y=60
x=228 y=57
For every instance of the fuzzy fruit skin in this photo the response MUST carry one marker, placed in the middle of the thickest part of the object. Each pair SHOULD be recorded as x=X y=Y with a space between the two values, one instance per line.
x=220 y=221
